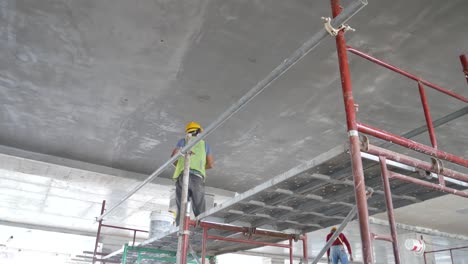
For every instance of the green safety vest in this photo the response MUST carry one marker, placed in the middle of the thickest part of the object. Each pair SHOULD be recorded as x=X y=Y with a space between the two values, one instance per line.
x=197 y=160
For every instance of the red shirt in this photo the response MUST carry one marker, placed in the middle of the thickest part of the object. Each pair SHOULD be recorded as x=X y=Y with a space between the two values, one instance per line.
x=337 y=242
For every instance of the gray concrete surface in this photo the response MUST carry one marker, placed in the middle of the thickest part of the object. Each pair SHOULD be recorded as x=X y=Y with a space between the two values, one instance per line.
x=114 y=82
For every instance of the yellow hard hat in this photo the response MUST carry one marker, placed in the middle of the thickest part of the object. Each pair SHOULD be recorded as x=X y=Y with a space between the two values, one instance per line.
x=192 y=126
x=333 y=229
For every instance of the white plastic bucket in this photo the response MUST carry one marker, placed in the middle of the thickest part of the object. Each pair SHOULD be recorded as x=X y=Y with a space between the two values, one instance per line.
x=415 y=245
x=161 y=221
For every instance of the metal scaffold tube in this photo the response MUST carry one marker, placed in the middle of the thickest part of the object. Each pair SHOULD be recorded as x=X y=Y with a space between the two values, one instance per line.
x=181 y=214
x=390 y=209
x=464 y=62
x=441 y=121
x=354 y=143
x=411 y=144
x=103 y=206
x=354 y=7
x=407 y=74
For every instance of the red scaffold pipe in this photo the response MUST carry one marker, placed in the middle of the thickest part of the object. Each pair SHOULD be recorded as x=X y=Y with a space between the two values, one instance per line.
x=366 y=129
x=354 y=149
x=426 y=184
x=407 y=74
x=427 y=115
x=426 y=166
x=245 y=241
x=464 y=63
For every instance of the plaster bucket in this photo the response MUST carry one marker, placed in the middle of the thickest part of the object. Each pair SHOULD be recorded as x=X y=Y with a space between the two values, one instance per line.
x=161 y=221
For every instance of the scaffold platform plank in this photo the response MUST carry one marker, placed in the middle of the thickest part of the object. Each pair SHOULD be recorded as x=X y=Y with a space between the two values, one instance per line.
x=313 y=195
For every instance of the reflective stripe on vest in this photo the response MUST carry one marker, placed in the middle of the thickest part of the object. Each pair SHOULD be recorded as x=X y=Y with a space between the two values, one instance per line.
x=197 y=160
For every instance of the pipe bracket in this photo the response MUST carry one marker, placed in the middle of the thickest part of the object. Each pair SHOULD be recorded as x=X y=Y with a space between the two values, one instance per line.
x=438 y=166
x=334 y=31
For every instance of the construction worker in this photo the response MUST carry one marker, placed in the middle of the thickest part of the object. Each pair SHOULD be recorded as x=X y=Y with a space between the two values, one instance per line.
x=338 y=252
x=200 y=160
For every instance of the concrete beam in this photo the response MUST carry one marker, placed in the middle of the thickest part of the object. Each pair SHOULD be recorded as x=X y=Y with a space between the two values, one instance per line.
x=418 y=229
x=51 y=166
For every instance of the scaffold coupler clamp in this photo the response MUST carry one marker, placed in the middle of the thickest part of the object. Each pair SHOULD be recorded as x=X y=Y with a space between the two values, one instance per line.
x=296 y=237
x=369 y=192
x=250 y=232
x=185 y=232
x=196 y=223
x=437 y=165
x=364 y=143
x=334 y=31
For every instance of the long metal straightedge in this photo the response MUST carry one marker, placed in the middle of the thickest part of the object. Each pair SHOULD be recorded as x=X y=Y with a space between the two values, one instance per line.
x=354 y=7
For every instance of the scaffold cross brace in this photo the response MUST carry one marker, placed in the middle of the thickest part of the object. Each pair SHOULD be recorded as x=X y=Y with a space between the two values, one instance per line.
x=334 y=31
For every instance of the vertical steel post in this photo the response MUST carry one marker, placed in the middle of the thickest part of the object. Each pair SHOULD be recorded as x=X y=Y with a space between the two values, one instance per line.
x=291 y=259
x=134 y=237
x=182 y=215
x=205 y=237
x=358 y=173
x=389 y=204
x=139 y=258
x=124 y=254
x=98 y=234
x=427 y=114
x=451 y=256
x=185 y=236
x=305 y=249
x=464 y=63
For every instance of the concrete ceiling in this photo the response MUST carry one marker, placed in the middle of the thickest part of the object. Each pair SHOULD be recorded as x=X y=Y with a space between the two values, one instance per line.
x=113 y=82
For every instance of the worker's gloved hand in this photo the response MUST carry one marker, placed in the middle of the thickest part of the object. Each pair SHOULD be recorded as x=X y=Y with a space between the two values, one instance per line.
x=351 y=258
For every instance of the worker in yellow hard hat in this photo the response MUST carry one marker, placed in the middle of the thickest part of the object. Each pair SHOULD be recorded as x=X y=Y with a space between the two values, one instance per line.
x=200 y=160
x=337 y=249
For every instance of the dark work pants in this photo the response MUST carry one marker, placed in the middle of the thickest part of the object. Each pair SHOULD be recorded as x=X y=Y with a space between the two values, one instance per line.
x=196 y=192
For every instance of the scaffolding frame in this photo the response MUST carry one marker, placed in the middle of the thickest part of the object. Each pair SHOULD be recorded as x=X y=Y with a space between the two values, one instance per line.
x=354 y=128
x=249 y=233
x=142 y=252
x=444 y=250
x=357 y=146
x=98 y=236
